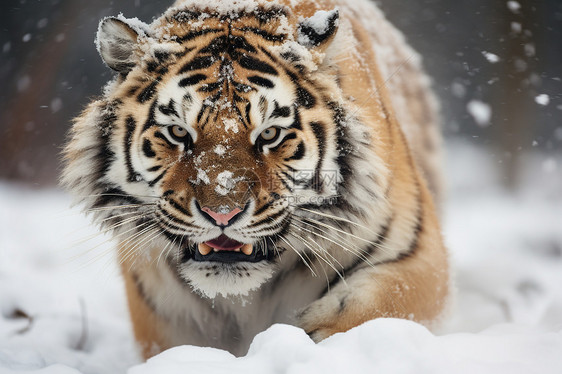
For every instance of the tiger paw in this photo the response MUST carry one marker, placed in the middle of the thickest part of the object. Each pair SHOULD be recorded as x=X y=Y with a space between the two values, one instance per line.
x=323 y=318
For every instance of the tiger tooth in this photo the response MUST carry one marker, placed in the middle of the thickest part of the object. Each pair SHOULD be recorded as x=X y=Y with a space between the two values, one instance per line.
x=247 y=249
x=237 y=249
x=204 y=249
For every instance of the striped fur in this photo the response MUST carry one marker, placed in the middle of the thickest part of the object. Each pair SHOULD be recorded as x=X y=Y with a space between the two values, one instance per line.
x=337 y=203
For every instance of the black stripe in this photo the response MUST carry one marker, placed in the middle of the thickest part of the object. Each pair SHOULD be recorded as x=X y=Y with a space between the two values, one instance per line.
x=159 y=135
x=293 y=174
x=296 y=121
x=151 y=66
x=201 y=112
x=268 y=218
x=131 y=124
x=417 y=230
x=239 y=42
x=192 y=80
x=264 y=208
x=264 y=82
x=248 y=110
x=161 y=56
x=154 y=168
x=294 y=78
x=178 y=207
x=264 y=34
x=173 y=223
x=157 y=179
x=210 y=87
x=194 y=34
x=290 y=56
x=299 y=152
x=105 y=156
x=263 y=107
x=314 y=38
x=269 y=55
x=132 y=91
x=284 y=182
x=280 y=111
x=197 y=63
x=368 y=251
x=305 y=98
x=148 y=92
x=150 y=121
x=242 y=117
x=216 y=46
x=147 y=149
x=344 y=147
x=251 y=63
x=113 y=194
x=320 y=135
x=169 y=110
x=175 y=220
x=184 y=15
x=265 y=16
x=412 y=247
x=142 y=293
x=289 y=136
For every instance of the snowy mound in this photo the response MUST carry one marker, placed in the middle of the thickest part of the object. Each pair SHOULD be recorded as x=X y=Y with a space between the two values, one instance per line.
x=381 y=346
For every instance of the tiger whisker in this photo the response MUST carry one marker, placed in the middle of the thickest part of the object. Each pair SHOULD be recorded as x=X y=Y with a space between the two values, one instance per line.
x=103 y=232
x=299 y=254
x=135 y=239
x=319 y=246
x=100 y=255
x=358 y=252
x=118 y=194
x=172 y=243
x=381 y=246
x=302 y=240
x=316 y=254
x=336 y=218
x=116 y=207
x=157 y=231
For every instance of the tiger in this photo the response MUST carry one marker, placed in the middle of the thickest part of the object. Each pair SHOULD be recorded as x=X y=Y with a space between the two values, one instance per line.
x=260 y=162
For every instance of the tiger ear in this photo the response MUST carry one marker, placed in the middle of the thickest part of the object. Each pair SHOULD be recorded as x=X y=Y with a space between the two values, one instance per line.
x=318 y=31
x=116 y=40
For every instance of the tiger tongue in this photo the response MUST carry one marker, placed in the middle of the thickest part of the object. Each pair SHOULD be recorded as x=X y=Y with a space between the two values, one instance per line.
x=224 y=243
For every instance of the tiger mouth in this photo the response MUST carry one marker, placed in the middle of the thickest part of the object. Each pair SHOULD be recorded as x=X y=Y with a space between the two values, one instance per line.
x=225 y=249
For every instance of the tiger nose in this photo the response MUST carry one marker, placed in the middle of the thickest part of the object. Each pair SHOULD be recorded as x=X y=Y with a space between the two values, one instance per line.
x=222 y=218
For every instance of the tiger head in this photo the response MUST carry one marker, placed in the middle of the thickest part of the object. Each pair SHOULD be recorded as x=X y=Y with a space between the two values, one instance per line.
x=220 y=126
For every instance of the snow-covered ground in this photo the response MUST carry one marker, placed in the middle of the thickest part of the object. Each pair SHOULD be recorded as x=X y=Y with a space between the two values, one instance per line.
x=62 y=307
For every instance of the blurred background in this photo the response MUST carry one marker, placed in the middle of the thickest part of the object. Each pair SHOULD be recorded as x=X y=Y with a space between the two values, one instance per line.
x=496 y=65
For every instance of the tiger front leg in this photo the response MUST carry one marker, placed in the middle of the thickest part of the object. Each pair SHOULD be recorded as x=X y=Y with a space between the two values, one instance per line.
x=414 y=287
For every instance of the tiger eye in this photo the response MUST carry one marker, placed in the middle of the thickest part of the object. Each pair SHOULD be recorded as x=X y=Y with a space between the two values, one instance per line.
x=269 y=133
x=178 y=132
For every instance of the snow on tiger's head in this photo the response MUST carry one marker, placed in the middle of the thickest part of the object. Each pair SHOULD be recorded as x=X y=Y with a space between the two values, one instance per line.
x=222 y=121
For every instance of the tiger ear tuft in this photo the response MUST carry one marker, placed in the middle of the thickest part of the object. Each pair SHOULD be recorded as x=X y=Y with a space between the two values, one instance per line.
x=317 y=31
x=116 y=40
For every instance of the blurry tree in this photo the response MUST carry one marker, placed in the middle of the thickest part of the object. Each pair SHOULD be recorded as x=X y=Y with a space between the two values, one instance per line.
x=515 y=111
x=49 y=71
x=501 y=54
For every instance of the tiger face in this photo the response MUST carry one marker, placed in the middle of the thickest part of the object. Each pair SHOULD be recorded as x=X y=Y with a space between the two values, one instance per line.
x=217 y=129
